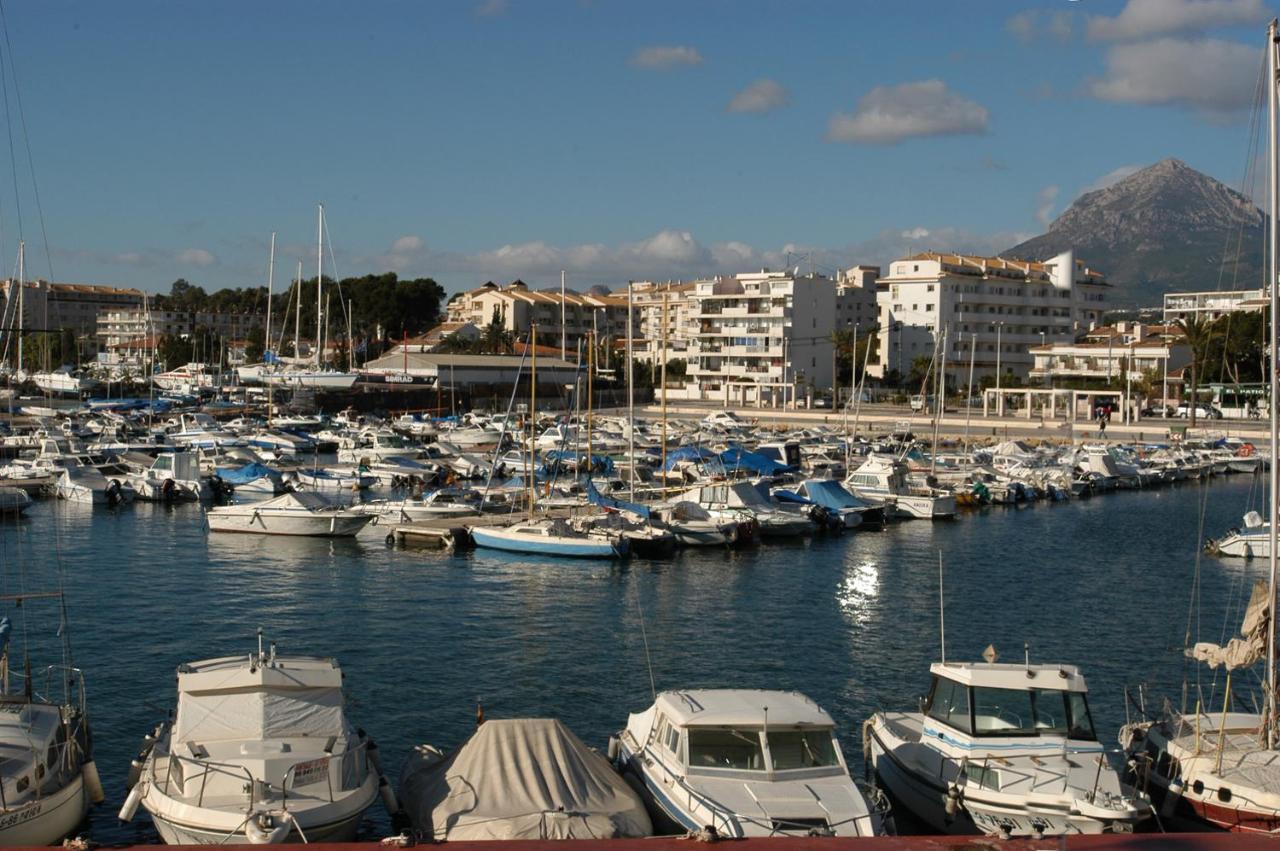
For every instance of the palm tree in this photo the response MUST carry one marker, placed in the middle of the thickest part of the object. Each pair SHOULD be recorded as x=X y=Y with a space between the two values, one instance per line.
x=842 y=343
x=1200 y=333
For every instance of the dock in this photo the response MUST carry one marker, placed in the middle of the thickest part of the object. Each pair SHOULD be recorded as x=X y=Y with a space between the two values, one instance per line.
x=451 y=533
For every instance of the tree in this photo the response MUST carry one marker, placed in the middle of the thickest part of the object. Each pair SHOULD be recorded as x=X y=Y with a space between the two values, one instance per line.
x=1200 y=334
x=255 y=344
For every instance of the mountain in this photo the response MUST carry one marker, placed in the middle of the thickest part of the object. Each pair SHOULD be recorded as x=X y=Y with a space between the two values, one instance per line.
x=1165 y=228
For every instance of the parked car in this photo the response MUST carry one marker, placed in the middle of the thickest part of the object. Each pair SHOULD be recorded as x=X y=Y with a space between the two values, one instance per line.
x=1207 y=412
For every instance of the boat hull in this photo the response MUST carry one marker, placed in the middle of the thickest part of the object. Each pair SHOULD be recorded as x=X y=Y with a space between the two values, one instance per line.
x=177 y=833
x=567 y=548
x=272 y=523
x=47 y=821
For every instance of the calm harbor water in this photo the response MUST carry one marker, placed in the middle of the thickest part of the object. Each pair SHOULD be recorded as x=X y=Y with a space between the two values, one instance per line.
x=851 y=621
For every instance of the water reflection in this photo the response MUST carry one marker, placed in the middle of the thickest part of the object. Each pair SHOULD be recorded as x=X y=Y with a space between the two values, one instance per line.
x=859 y=590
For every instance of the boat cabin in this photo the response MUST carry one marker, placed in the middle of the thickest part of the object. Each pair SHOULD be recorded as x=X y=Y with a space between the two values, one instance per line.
x=786 y=453
x=725 y=731
x=1008 y=700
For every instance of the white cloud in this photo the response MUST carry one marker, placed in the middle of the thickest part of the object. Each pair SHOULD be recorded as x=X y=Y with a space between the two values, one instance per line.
x=407 y=244
x=761 y=96
x=1145 y=18
x=888 y=114
x=665 y=58
x=196 y=257
x=1044 y=204
x=1114 y=176
x=1212 y=76
x=491 y=8
x=1027 y=26
x=915 y=233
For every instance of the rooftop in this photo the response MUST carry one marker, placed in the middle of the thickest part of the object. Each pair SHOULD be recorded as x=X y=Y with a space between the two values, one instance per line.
x=741 y=707
x=1012 y=676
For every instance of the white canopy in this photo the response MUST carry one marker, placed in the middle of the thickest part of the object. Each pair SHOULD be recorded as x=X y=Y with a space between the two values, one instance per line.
x=520 y=779
x=296 y=697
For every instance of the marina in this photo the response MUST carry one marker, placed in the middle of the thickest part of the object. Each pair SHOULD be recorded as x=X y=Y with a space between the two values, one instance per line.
x=849 y=620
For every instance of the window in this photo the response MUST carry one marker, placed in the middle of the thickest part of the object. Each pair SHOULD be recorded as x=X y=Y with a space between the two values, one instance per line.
x=929 y=288
x=801 y=749
x=725 y=748
x=949 y=703
x=928 y=308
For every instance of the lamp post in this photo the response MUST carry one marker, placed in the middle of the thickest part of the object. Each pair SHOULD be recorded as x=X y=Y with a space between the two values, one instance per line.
x=999 y=398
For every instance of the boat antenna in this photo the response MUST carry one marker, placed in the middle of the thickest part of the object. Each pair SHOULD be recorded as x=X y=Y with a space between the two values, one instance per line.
x=942 y=612
x=259 y=642
x=644 y=636
x=1026 y=652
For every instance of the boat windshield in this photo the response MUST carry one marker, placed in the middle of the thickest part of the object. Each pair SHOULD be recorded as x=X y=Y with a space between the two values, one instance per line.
x=1031 y=712
x=725 y=748
x=802 y=749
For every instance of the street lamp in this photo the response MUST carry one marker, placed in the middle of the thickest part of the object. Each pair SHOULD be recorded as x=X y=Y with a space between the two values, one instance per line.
x=999 y=398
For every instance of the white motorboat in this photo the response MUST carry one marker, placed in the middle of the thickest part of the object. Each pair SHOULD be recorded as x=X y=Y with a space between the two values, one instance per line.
x=319 y=379
x=307 y=514
x=14 y=500
x=884 y=478
x=85 y=484
x=170 y=477
x=694 y=526
x=374 y=445
x=64 y=382
x=1251 y=541
x=333 y=480
x=741 y=498
x=259 y=751
x=525 y=778
x=1005 y=750
x=47 y=772
x=189 y=378
x=744 y=762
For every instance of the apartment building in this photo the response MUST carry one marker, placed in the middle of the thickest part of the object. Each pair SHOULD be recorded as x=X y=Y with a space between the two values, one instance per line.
x=856 y=297
x=648 y=313
x=58 y=306
x=516 y=307
x=1120 y=352
x=117 y=327
x=990 y=307
x=1212 y=304
x=760 y=338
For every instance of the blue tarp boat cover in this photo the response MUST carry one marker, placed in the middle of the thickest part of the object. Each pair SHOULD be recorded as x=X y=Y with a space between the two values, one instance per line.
x=736 y=458
x=250 y=472
x=688 y=453
x=599 y=463
x=830 y=494
x=596 y=498
x=791 y=496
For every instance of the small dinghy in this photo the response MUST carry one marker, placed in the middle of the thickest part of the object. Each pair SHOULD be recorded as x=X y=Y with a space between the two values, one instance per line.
x=289 y=514
x=526 y=778
x=259 y=752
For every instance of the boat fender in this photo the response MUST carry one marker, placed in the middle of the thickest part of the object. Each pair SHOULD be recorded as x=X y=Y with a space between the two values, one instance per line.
x=131 y=802
x=92 y=782
x=268 y=829
x=1172 y=795
x=375 y=757
x=952 y=805
x=614 y=749
x=389 y=800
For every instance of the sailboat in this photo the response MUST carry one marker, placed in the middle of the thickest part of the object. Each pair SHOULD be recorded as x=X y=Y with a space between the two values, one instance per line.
x=317 y=377
x=1220 y=767
x=47 y=773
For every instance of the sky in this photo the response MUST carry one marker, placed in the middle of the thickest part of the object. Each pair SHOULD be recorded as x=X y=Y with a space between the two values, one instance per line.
x=501 y=139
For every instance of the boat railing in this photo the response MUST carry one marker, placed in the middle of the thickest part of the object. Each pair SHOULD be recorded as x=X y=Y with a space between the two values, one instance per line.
x=205 y=767
x=353 y=760
x=46 y=682
x=987 y=766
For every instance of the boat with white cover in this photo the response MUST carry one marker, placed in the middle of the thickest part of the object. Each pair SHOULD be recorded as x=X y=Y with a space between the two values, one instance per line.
x=307 y=514
x=745 y=762
x=85 y=484
x=884 y=478
x=521 y=778
x=258 y=751
x=1005 y=750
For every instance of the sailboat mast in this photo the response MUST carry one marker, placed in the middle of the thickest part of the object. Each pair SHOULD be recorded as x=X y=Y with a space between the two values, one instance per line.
x=319 y=277
x=631 y=400
x=22 y=285
x=271 y=277
x=297 y=316
x=1273 y=265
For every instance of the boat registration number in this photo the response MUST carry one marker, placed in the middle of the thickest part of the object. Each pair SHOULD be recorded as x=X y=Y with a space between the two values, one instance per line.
x=21 y=816
x=314 y=771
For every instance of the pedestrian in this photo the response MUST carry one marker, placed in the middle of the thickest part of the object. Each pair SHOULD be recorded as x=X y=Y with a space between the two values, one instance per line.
x=1102 y=423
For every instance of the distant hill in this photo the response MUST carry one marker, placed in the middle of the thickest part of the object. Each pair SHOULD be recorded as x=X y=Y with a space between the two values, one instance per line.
x=1162 y=229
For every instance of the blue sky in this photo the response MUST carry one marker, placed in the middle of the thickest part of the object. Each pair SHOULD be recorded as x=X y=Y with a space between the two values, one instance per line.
x=490 y=139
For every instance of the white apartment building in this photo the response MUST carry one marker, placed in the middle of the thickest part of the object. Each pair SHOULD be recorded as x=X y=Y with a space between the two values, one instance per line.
x=760 y=337
x=1211 y=305
x=995 y=308
x=1121 y=352
x=56 y=306
x=647 y=298
x=516 y=307
x=119 y=327
x=856 y=298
